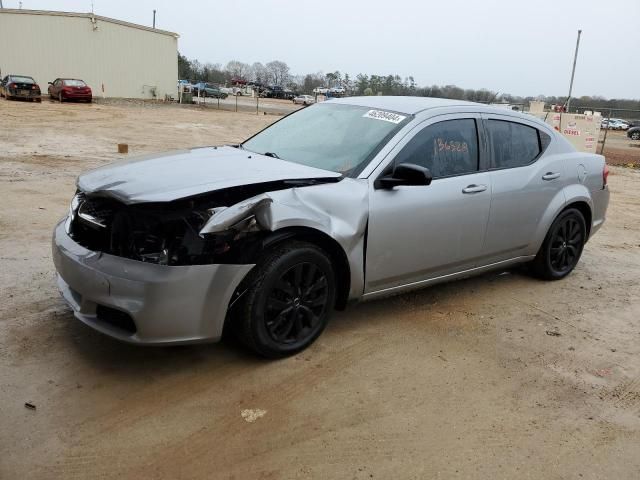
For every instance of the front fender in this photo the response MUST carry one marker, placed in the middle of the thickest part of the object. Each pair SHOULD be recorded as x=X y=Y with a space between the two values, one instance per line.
x=339 y=210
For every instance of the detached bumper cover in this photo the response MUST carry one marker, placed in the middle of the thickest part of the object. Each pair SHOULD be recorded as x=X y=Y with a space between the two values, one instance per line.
x=168 y=305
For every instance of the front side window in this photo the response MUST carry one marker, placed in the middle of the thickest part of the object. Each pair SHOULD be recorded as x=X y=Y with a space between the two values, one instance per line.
x=340 y=138
x=446 y=148
x=513 y=144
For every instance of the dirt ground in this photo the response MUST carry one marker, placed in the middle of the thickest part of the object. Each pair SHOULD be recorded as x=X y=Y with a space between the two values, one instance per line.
x=620 y=149
x=456 y=381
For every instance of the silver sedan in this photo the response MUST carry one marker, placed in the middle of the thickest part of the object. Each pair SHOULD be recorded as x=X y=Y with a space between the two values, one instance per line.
x=304 y=100
x=350 y=199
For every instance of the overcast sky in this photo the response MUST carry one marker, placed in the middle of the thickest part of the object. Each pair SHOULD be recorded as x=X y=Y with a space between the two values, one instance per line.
x=509 y=46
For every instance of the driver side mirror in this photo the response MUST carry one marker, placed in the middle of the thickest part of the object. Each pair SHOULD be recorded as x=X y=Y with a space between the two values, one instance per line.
x=408 y=174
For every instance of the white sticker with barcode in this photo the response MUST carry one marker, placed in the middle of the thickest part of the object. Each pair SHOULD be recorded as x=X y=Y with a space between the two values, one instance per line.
x=386 y=116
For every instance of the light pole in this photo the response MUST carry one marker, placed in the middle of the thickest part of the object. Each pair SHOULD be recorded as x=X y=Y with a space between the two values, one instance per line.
x=573 y=70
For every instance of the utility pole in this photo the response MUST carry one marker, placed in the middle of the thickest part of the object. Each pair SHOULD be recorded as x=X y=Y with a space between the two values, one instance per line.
x=573 y=70
x=1 y=4
x=154 y=18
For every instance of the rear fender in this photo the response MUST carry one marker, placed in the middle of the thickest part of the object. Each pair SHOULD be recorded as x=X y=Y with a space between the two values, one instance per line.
x=568 y=195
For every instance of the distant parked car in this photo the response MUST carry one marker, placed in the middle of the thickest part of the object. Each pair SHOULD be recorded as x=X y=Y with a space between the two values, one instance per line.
x=621 y=124
x=321 y=90
x=304 y=100
x=70 y=89
x=634 y=133
x=185 y=84
x=20 y=86
x=615 y=124
x=204 y=89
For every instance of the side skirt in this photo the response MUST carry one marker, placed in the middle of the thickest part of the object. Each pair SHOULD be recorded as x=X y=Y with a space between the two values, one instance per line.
x=445 y=278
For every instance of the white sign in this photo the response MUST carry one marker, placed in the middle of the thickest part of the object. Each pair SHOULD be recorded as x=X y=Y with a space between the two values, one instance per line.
x=386 y=116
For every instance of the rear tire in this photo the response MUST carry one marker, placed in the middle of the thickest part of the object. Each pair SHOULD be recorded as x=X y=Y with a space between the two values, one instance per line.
x=562 y=247
x=289 y=298
x=635 y=136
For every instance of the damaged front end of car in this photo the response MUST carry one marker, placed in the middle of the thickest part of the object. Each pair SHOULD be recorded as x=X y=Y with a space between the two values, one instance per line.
x=173 y=269
x=196 y=231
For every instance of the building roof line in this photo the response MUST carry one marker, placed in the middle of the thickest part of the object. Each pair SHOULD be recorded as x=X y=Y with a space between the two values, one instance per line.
x=89 y=16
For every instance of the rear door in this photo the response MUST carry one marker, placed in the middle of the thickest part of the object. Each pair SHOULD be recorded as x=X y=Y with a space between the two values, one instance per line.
x=524 y=182
x=421 y=232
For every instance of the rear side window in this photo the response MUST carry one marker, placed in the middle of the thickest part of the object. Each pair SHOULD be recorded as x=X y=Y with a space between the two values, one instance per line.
x=446 y=148
x=513 y=144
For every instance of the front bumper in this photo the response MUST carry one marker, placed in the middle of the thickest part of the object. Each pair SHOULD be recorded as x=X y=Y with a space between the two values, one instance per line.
x=166 y=304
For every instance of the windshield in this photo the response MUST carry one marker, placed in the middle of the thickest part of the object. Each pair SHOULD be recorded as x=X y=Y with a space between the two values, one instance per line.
x=74 y=83
x=340 y=138
x=22 y=80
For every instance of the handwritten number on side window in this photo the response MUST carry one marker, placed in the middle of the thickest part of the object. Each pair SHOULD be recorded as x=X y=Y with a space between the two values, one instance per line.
x=452 y=146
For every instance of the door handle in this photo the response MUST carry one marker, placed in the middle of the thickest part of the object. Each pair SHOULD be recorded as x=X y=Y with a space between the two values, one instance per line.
x=473 y=188
x=550 y=176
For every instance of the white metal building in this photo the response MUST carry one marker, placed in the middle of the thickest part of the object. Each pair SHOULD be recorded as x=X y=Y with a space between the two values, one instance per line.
x=118 y=58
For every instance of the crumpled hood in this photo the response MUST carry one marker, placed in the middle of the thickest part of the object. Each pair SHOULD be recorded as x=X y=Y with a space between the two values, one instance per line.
x=174 y=175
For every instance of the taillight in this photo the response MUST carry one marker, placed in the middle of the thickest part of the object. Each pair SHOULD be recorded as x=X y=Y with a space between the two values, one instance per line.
x=34 y=87
x=605 y=175
x=12 y=85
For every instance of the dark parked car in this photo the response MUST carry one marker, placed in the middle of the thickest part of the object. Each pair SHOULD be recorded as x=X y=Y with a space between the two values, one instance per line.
x=70 y=89
x=20 y=86
x=634 y=133
x=204 y=89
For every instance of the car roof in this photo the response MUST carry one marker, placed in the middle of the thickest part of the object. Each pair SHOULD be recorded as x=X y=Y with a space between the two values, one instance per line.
x=415 y=105
x=409 y=105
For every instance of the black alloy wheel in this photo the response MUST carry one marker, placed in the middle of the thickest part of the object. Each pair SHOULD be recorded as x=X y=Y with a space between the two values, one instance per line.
x=286 y=300
x=562 y=246
x=296 y=303
x=565 y=245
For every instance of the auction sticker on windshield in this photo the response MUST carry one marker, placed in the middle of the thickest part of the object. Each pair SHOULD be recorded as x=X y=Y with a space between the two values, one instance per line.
x=386 y=116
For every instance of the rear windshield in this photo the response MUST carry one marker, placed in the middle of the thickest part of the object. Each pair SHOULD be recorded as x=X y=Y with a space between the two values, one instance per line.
x=23 y=80
x=75 y=83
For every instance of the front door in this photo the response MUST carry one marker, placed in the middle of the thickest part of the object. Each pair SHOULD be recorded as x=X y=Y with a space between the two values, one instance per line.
x=421 y=232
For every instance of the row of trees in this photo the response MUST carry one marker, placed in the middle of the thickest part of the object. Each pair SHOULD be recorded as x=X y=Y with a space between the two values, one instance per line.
x=278 y=73
x=272 y=73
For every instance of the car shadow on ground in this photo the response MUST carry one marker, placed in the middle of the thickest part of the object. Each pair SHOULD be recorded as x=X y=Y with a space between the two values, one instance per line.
x=105 y=353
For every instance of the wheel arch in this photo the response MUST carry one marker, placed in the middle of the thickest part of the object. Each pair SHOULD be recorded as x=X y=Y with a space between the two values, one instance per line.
x=573 y=196
x=585 y=209
x=328 y=244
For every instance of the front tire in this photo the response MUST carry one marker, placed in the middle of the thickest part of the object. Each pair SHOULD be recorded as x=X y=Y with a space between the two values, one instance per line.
x=562 y=247
x=289 y=298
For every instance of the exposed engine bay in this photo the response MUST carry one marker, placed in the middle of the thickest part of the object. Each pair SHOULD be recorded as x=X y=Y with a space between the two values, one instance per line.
x=170 y=233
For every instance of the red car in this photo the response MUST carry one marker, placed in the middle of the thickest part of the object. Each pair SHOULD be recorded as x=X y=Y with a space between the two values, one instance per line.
x=70 y=89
